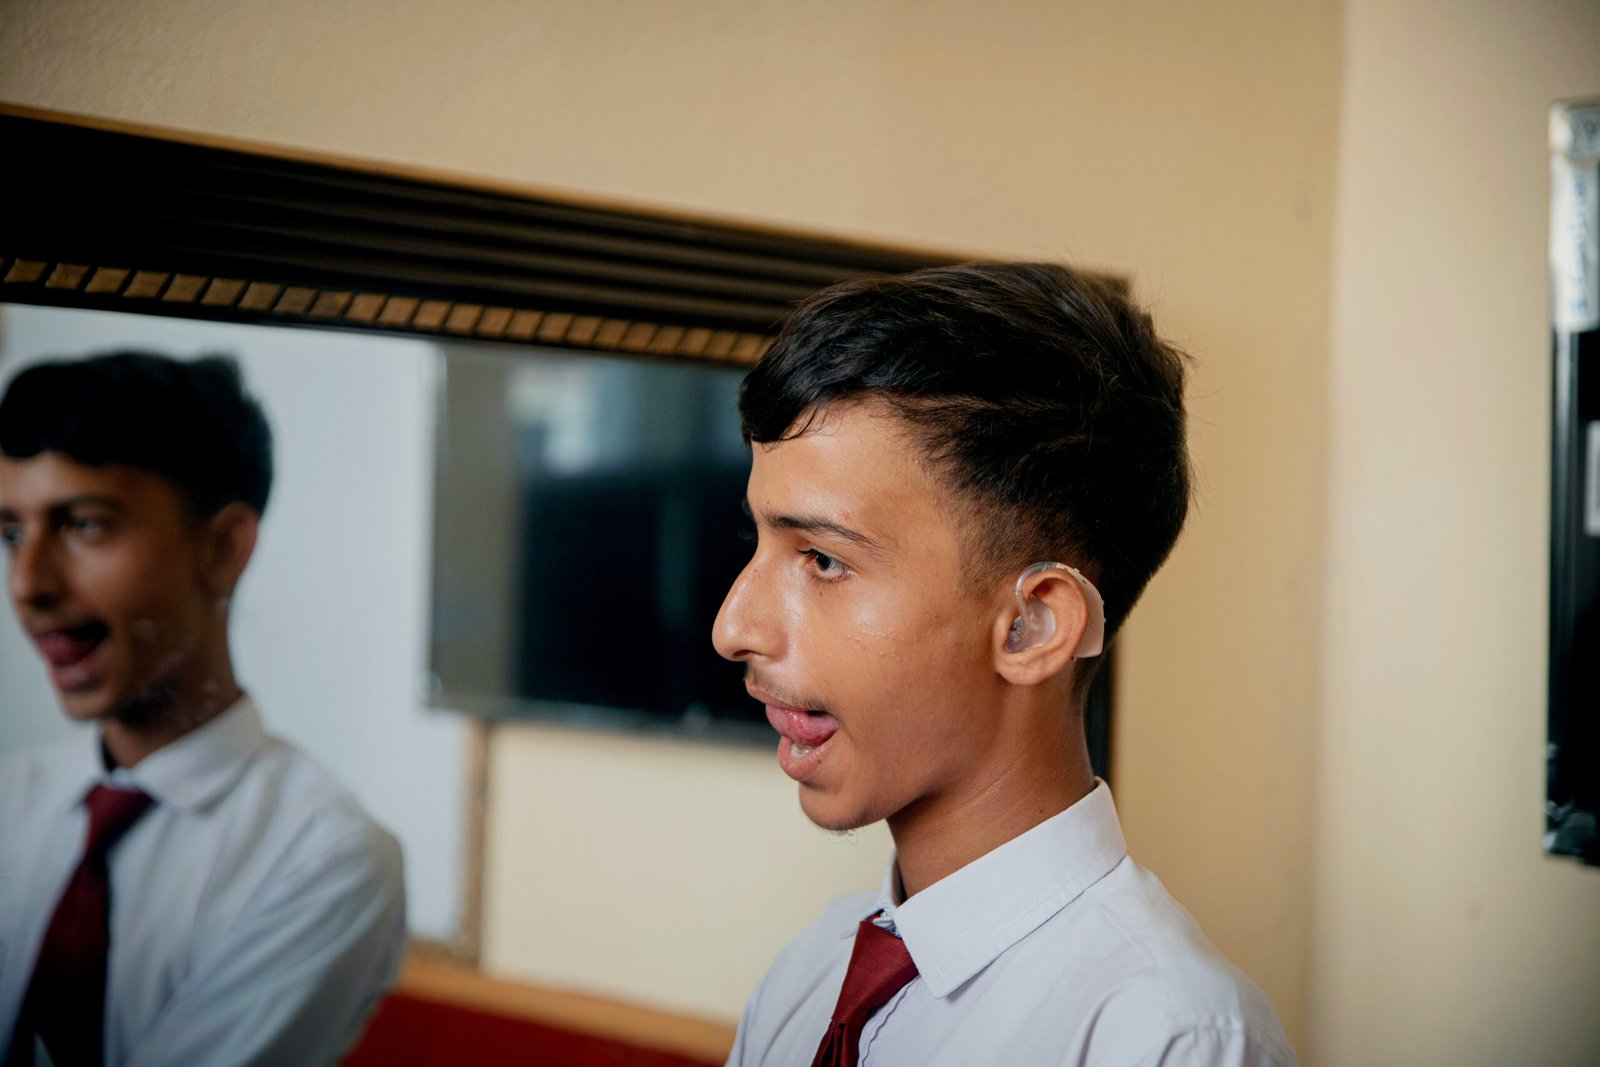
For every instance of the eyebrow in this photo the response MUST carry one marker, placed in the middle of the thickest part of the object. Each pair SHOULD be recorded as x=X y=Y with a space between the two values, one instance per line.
x=817 y=525
x=57 y=507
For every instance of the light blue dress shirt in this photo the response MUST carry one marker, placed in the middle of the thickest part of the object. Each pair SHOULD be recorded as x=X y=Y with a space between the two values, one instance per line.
x=257 y=913
x=1055 y=948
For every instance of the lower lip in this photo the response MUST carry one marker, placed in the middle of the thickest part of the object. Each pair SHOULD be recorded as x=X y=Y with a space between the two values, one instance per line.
x=80 y=676
x=801 y=766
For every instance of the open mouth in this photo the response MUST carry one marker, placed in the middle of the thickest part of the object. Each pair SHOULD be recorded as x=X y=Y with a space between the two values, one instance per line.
x=805 y=729
x=68 y=647
x=803 y=733
x=805 y=736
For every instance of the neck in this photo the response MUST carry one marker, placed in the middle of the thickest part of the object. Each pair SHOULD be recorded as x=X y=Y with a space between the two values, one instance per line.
x=1022 y=788
x=170 y=710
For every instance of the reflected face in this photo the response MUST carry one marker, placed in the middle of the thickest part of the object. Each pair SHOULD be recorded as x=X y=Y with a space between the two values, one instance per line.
x=856 y=626
x=106 y=577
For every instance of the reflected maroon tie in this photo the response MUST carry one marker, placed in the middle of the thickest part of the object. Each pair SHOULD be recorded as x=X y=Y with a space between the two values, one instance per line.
x=67 y=997
x=879 y=967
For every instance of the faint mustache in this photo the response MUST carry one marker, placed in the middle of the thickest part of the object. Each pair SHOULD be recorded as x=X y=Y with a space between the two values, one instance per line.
x=779 y=694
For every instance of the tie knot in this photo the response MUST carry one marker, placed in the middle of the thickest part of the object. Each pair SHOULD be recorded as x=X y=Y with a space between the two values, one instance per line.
x=111 y=813
x=879 y=966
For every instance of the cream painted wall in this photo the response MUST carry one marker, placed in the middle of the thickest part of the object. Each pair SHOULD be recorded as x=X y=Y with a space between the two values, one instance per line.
x=667 y=871
x=1191 y=148
x=1442 y=934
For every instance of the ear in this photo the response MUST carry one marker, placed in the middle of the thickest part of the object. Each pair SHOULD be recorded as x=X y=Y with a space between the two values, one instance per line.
x=1055 y=596
x=230 y=541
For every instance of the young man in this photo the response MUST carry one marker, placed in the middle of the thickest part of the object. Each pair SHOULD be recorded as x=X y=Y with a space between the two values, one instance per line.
x=949 y=470
x=177 y=887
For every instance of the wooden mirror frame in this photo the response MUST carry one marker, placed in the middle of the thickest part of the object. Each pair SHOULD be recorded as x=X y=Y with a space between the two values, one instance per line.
x=116 y=217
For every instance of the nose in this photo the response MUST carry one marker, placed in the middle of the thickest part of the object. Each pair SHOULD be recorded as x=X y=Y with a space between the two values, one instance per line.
x=744 y=627
x=35 y=578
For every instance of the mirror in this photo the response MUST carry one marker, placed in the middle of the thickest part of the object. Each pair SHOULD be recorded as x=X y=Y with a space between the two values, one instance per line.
x=329 y=626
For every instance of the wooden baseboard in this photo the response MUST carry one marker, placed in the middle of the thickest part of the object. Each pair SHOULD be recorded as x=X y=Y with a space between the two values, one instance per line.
x=451 y=983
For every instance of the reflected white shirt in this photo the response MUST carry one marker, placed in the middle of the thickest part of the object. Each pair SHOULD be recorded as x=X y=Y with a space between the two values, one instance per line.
x=1055 y=948
x=257 y=913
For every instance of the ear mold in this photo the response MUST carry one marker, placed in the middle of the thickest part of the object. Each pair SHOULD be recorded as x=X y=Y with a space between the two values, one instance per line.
x=1036 y=623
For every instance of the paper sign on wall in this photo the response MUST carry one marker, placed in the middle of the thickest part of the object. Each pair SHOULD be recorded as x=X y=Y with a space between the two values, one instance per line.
x=1575 y=217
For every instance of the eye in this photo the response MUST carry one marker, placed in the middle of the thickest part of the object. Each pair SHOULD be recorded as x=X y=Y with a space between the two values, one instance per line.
x=824 y=566
x=87 y=527
x=10 y=535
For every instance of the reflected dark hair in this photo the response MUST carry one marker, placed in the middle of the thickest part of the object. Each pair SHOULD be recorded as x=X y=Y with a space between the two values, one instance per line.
x=190 y=421
x=1042 y=396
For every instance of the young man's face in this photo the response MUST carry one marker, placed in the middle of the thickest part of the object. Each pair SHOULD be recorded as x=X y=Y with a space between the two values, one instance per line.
x=106 y=576
x=856 y=626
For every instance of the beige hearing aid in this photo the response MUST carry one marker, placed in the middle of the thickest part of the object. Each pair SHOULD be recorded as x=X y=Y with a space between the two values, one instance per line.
x=1036 y=623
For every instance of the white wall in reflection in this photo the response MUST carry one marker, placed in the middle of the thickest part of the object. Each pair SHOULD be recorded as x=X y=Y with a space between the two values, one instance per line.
x=329 y=627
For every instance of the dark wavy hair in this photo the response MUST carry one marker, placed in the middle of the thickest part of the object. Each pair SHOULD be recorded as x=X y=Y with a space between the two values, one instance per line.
x=1042 y=396
x=190 y=421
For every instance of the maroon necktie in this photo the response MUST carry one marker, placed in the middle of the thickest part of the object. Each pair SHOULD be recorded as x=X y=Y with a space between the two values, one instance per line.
x=879 y=967
x=67 y=997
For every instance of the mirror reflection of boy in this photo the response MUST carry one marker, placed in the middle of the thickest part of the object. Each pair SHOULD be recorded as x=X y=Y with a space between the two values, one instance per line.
x=178 y=887
x=950 y=468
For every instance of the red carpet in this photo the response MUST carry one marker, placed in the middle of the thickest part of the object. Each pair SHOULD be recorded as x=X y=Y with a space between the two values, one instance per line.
x=411 y=1032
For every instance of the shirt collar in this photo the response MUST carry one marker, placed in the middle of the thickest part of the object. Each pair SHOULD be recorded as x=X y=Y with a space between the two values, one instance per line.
x=198 y=767
x=82 y=769
x=963 y=922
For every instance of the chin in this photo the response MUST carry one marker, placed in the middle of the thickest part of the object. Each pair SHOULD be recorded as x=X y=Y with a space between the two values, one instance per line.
x=104 y=703
x=86 y=707
x=835 y=814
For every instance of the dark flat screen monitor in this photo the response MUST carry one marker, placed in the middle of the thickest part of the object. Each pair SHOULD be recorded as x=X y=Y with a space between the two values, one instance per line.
x=588 y=521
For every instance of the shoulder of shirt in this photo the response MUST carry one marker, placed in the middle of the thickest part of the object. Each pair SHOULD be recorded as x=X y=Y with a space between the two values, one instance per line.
x=306 y=829
x=1161 y=977
x=306 y=792
x=328 y=824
